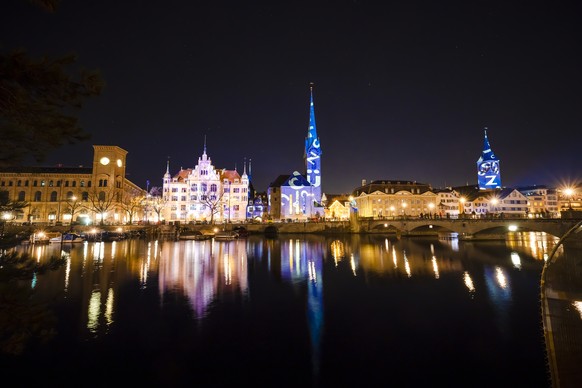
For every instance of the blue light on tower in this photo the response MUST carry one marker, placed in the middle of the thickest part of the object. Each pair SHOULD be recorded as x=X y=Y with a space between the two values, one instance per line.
x=488 y=171
x=313 y=153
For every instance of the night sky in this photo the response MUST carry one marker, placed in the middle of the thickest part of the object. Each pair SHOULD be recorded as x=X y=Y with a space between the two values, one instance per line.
x=403 y=89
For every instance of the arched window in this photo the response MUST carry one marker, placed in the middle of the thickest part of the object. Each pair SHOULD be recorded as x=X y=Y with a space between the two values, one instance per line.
x=53 y=196
x=69 y=195
x=85 y=196
x=213 y=187
x=21 y=196
x=37 y=196
x=203 y=187
x=102 y=196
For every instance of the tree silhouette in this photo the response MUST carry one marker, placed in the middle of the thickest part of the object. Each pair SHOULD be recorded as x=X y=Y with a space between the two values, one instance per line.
x=37 y=100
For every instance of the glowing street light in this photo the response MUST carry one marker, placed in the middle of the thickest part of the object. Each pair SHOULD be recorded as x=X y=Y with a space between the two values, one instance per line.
x=462 y=201
x=494 y=202
x=569 y=193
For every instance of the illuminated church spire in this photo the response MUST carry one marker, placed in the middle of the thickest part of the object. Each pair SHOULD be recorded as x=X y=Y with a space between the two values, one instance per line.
x=488 y=171
x=312 y=154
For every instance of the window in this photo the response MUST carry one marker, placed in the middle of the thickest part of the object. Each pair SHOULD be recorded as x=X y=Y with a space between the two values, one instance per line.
x=82 y=184
x=42 y=183
x=59 y=182
x=53 y=196
x=35 y=183
x=26 y=183
x=203 y=187
x=21 y=196
x=51 y=183
x=102 y=196
x=37 y=196
x=69 y=195
x=194 y=187
x=75 y=184
x=213 y=187
x=85 y=196
x=19 y=183
x=66 y=183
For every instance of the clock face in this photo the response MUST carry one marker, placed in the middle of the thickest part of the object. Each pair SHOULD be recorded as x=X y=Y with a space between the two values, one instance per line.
x=119 y=164
x=104 y=160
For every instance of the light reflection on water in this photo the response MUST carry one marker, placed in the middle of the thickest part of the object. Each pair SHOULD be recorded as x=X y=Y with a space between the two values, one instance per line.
x=356 y=274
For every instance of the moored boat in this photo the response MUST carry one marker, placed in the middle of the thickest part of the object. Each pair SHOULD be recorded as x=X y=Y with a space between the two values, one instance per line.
x=67 y=238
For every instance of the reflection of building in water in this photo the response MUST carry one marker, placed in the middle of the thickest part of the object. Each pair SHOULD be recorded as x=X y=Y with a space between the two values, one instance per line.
x=538 y=245
x=299 y=264
x=499 y=291
x=203 y=269
x=390 y=255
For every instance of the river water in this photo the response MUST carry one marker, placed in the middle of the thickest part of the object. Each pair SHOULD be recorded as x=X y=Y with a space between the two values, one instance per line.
x=295 y=310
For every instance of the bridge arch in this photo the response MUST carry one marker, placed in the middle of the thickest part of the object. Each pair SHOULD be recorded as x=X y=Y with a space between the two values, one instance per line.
x=468 y=227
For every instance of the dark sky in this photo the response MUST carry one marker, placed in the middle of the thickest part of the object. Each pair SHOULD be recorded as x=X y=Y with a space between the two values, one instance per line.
x=403 y=89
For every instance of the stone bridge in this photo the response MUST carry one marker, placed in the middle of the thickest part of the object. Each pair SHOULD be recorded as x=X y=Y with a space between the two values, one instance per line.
x=467 y=228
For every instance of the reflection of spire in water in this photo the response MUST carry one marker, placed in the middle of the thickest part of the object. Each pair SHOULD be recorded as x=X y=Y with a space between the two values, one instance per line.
x=315 y=307
x=302 y=266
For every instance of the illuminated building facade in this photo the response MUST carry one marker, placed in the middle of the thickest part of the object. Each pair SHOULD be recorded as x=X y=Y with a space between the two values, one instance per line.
x=205 y=193
x=488 y=170
x=387 y=198
x=74 y=194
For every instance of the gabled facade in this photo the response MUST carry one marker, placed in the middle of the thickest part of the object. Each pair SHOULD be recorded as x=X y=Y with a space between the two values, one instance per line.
x=205 y=193
x=337 y=207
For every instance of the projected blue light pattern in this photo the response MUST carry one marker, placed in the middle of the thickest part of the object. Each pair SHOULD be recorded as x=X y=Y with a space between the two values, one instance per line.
x=488 y=171
x=297 y=197
x=313 y=153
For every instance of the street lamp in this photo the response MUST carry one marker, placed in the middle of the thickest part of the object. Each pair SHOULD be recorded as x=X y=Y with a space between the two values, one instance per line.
x=494 y=202
x=569 y=192
x=430 y=208
x=462 y=200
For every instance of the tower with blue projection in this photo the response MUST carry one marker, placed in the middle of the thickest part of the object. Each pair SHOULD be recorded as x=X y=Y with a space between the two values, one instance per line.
x=488 y=171
x=312 y=154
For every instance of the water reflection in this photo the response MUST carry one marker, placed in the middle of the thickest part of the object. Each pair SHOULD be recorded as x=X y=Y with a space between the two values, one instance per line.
x=374 y=285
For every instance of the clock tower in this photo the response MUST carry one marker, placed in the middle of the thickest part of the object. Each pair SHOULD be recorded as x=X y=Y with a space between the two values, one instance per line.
x=108 y=166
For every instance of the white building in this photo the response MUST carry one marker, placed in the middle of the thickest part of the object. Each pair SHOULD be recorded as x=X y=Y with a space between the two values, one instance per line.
x=205 y=193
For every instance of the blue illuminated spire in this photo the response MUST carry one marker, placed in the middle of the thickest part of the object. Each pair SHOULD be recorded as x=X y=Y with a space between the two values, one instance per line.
x=312 y=131
x=487 y=151
x=488 y=168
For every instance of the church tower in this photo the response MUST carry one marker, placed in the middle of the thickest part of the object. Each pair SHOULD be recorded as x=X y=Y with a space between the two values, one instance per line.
x=312 y=154
x=488 y=171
